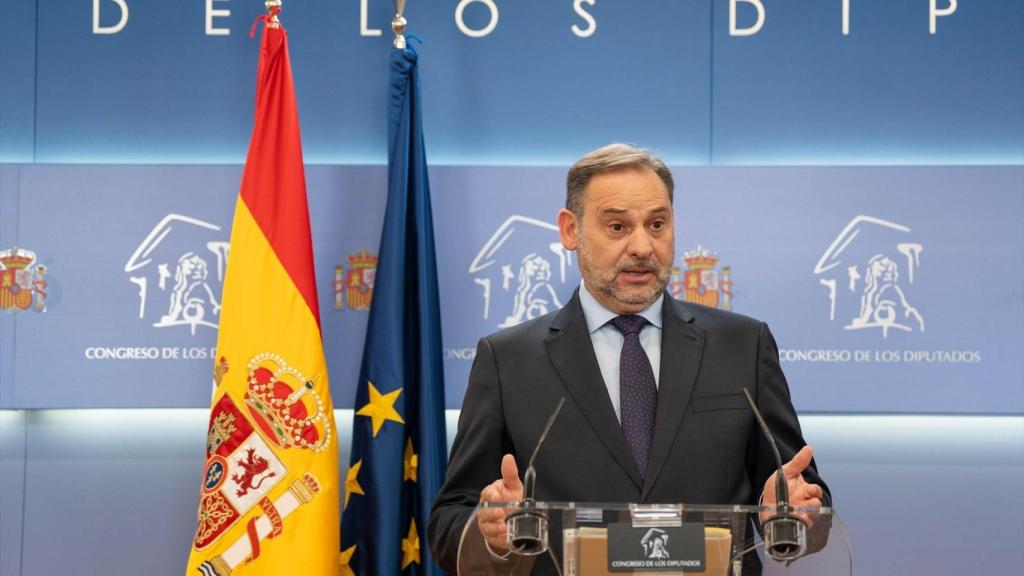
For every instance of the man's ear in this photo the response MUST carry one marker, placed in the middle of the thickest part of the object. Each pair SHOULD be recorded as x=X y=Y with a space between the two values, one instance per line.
x=568 y=229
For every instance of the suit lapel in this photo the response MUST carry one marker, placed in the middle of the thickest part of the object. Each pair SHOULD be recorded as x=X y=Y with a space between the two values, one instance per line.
x=682 y=345
x=572 y=354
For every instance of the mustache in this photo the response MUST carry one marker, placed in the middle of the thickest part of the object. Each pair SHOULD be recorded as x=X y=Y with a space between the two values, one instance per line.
x=645 y=265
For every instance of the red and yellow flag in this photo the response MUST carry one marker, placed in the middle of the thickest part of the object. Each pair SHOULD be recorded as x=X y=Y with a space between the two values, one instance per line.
x=269 y=501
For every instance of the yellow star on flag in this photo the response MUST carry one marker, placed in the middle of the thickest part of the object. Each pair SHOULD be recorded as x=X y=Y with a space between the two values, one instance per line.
x=352 y=482
x=412 y=462
x=344 y=558
x=411 y=546
x=381 y=407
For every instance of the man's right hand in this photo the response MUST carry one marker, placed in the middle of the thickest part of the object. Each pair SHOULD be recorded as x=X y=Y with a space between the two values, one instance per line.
x=491 y=521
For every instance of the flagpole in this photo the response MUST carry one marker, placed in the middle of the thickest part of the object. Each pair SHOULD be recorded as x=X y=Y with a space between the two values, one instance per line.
x=398 y=25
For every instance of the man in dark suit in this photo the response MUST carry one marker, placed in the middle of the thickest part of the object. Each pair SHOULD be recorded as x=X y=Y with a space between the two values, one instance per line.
x=654 y=409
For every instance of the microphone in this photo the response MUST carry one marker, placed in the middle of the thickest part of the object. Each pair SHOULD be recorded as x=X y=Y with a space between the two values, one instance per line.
x=785 y=534
x=528 y=526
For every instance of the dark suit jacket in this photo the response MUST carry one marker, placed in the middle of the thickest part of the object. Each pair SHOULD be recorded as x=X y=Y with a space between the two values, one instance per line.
x=707 y=447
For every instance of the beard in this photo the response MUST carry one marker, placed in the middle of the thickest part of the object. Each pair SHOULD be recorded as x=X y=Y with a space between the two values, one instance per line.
x=604 y=281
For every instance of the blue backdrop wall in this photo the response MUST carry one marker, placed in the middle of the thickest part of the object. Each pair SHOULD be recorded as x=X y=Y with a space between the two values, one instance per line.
x=850 y=172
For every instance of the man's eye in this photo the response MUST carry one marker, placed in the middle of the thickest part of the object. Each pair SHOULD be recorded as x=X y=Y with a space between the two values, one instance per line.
x=617 y=227
x=658 y=224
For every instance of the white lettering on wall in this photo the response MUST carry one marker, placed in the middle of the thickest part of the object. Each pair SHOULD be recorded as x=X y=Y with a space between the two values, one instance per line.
x=934 y=12
x=733 y=30
x=97 y=29
x=364 y=23
x=580 y=10
x=491 y=25
x=211 y=13
x=577 y=5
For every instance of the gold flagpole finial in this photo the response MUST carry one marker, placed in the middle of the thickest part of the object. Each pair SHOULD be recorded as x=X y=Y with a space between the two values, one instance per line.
x=398 y=25
x=273 y=8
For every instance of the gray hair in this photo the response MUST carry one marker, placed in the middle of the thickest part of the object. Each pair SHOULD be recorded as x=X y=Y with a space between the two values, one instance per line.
x=611 y=158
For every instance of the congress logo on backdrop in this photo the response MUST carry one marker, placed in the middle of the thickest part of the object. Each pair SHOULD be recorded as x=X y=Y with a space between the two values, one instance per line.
x=353 y=288
x=178 y=269
x=702 y=282
x=522 y=271
x=22 y=281
x=869 y=272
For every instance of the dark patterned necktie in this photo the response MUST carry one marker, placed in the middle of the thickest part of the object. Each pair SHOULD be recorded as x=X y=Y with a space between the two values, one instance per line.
x=638 y=393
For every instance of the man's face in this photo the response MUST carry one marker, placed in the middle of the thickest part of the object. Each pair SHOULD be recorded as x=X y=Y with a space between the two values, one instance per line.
x=625 y=240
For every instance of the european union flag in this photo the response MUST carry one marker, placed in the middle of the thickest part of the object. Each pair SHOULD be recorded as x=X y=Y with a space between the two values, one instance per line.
x=399 y=446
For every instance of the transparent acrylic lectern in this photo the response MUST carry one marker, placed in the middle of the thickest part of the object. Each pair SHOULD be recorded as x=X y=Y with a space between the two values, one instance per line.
x=576 y=539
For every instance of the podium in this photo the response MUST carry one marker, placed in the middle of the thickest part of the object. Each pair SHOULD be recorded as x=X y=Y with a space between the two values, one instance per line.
x=582 y=539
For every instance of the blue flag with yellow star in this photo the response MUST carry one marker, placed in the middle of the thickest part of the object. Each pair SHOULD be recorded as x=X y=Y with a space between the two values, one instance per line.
x=399 y=447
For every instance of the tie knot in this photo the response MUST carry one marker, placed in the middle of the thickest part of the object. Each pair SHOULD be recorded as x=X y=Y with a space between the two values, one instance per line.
x=630 y=324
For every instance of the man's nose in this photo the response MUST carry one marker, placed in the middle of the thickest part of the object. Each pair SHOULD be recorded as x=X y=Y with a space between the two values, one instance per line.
x=640 y=245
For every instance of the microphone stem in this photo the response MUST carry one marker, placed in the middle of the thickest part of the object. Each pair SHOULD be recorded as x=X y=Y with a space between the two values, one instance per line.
x=529 y=483
x=530 y=478
x=781 y=488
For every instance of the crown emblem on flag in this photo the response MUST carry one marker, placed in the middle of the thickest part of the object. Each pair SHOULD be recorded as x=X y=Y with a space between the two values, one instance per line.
x=285 y=405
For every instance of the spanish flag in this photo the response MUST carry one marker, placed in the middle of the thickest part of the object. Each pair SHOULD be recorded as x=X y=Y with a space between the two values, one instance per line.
x=269 y=499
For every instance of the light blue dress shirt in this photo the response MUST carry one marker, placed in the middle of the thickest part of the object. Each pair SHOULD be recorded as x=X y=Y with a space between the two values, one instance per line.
x=607 y=340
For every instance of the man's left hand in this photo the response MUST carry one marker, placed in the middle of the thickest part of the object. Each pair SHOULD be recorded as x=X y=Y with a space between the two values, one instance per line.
x=801 y=492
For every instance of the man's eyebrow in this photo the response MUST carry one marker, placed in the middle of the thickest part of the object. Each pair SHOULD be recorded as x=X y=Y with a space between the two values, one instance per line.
x=614 y=211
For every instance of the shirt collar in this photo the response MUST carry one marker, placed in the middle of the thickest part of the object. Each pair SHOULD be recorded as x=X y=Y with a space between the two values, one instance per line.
x=597 y=315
